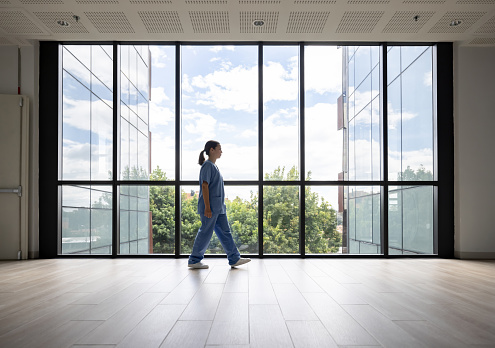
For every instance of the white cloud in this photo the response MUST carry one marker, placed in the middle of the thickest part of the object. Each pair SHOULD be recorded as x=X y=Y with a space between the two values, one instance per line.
x=428 y=79
x=158 y=95
x=186 y=85
x=76 y=113
x=199 y=123
x=160 y=115
x=230 y=88
x=279 y=83
x=158 y=56
x=249 y=133
x=396 y=116
x=415 y=159
x=225 y=127
x=219 y=48
x=323 y=69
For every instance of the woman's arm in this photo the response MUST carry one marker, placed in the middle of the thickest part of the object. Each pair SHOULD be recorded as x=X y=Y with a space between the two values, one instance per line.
x=206 y=198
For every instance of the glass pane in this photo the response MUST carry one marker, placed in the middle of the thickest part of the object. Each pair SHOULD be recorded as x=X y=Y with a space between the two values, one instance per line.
x=281 y=220
x=76 y=130
x=324 y=211
x=77 y=61
x=280 y=111
x=411 y=220
x=101 y=62
x=417 y=119
x=101 y=140
x=362 y=59
x=393 y=63
x=242 y=213
x=410 y=118
x=364 y=230
x=147 y=220
x=86 y=220
x=324 y=141
x=162 y=113
x=134 y=145
x=190 y=219
x=220 y=102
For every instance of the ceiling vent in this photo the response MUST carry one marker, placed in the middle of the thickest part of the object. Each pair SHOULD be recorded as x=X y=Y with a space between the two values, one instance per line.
x=150 y=2
x=50 y=20
x=210 y=22
x=307 y=22
x=270 y=20
x=467 y=18
x=424 y=2
x=359 y=21
x=259 y=2
x=487 y=28
x=475 y=2
x=17 y=22
x=41 y=2
x=97 y=2
x=110 y=22
x=368 y=2
x=483 y=41
x=206 y=2
x=407 y=21
x=166 y=22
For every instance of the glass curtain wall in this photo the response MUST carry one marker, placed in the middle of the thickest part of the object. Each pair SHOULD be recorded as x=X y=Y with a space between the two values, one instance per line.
x=303 y=148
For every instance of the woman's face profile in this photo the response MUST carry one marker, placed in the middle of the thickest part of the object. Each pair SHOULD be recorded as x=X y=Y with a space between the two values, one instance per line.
x=216 y=152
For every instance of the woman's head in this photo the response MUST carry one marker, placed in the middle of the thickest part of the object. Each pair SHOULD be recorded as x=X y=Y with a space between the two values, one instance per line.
x=211 y=145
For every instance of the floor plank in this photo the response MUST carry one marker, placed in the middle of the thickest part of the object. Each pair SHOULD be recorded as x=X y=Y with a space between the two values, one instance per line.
x=82 y=303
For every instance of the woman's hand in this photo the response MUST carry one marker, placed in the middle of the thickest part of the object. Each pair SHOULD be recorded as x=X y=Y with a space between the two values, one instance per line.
x=208 y=212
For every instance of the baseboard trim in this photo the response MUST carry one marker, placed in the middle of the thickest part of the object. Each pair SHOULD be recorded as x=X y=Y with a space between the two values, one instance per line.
x=469 y=255
x=33 y=254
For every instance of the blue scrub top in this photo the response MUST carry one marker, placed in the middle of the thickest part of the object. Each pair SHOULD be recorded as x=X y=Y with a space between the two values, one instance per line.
x=211 y=174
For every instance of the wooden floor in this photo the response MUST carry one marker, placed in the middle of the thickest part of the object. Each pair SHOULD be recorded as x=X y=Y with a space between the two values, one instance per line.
x=143 y=303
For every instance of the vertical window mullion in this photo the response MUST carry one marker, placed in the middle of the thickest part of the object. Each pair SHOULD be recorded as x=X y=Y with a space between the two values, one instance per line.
x=178 y=150
x=115 y=150
x=302 y=157
x=260 y=150
x=384 y=103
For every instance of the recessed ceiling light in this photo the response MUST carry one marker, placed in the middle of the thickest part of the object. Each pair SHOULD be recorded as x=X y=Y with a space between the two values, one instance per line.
x=258 y=23
x=63 y=23
x=416 y=18
x=455 y=23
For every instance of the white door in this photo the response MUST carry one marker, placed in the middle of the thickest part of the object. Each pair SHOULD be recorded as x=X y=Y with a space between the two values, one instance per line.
x=14 y=155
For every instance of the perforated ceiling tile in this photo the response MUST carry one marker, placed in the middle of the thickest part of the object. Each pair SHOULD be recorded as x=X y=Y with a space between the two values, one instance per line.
x=150 y=2
x=359 y=21
x=407 y=22
x=307 y=22
x=248 y=17
x=487 y=28
x=41 y=2
x=110 y=22
x=4 y=2
x=259 y=2
x=5 y=42
x=315 y=2
x=16 y=22
x=97 y=2
x=206 y=2
x=210 y=22
x=476 y=2
x=368 y=2
x=50 y=20
x=483 y=41
x=424 y=2
x=467 y=18
x=161 y=21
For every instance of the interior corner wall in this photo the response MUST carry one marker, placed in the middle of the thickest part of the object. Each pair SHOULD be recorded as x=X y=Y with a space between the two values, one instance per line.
x=474 y=127
x=29 y=87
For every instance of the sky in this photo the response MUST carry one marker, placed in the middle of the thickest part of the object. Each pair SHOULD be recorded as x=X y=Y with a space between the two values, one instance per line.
x=219 y=101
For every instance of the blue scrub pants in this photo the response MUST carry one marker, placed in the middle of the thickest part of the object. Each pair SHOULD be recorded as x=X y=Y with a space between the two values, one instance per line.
x=220 y=224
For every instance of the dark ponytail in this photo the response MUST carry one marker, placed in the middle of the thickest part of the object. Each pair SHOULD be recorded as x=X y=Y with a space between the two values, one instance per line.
x=210 y=144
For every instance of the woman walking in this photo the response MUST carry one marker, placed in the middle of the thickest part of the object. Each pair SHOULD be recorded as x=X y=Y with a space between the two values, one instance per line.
x=211 y=208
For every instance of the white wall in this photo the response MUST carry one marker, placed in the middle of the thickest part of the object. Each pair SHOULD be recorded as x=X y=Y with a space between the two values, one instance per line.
x=29 y=87
x=474 y=122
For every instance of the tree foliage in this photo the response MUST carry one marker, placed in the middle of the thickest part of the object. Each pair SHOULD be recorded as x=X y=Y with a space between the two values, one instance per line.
x=281 y=226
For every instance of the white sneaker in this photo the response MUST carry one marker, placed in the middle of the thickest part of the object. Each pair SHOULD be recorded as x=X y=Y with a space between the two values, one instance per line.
x=241 y=261
x=198 y=265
